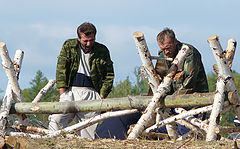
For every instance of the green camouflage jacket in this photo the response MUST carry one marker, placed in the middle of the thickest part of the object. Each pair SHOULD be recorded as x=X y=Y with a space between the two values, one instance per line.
x=193 y=77
x=101 y=66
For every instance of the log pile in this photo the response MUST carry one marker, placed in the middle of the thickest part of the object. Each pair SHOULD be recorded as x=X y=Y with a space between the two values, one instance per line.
x=156 y=106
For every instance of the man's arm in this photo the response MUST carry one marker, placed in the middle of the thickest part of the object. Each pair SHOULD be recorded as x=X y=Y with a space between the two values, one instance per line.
x=108 y=78
x=191 y=70
x=61 y=76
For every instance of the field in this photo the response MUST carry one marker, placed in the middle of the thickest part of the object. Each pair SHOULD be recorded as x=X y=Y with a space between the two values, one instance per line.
x=78 y=143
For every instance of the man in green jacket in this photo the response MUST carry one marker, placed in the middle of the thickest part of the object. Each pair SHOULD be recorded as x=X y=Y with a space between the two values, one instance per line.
x=84 y=72
x=189 y=79
x=192 y=77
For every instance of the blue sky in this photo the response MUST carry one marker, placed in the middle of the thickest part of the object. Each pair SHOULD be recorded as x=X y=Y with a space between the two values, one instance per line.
x=39 y=28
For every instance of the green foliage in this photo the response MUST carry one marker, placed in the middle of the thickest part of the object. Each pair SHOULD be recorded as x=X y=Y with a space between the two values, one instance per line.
x=126 y=87
x=29 y=94
x=227 y=118
x=1 y=98
x=212 y=80
x=37 y=84
x=141 y=84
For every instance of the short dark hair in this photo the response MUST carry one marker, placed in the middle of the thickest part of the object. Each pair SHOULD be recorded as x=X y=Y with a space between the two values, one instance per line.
x=87 y=29
x=167 y=32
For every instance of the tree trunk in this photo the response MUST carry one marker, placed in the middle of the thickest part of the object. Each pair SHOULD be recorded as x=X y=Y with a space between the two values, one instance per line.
x=217 y=108
x=43 y=91
x=224 y=77
x=135 y=102
x=8 y=98
x=230 y=51
x=9 y=69
x=153 y=78
x=159 y=95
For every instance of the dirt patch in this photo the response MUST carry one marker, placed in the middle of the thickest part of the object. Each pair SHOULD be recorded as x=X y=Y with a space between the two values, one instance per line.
x=77 y=143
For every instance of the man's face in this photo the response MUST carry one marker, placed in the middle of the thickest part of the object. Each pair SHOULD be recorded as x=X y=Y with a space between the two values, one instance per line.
x=168 y=47
x=87 y=41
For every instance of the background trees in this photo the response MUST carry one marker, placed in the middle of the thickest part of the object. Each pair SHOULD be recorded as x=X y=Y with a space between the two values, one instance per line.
x=38 y=82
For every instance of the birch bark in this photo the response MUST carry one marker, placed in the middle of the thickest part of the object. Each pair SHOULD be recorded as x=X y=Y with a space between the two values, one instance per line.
x=224 y=78
x=159 y=95
x=13 y=70
x=43 y=91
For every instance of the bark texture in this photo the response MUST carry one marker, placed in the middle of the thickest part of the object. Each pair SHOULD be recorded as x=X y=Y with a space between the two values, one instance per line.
x=134 y=102
x=43 y=91
x=159 y=95
x=153 y=78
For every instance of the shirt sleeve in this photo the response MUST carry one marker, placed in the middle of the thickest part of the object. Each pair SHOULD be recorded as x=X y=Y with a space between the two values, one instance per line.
x=108 y=76
x=191 y=70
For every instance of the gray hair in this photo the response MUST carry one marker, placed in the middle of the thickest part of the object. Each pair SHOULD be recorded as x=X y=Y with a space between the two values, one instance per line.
x=166 y=33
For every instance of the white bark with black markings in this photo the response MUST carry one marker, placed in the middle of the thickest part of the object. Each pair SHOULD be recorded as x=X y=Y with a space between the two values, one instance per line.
x=44 y=90
x=160 y=94
x=12 y=71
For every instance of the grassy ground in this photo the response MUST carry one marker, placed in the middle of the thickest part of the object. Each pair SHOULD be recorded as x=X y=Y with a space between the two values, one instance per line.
x=77 y=143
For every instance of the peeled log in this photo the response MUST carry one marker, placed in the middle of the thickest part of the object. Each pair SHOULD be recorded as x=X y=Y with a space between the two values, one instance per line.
x=135 y=102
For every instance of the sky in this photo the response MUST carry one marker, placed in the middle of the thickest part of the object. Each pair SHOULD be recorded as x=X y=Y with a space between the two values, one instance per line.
x=39 y=28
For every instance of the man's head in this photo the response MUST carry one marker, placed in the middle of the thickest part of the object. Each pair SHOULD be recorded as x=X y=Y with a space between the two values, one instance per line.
x=86 y=35
x=167 y=42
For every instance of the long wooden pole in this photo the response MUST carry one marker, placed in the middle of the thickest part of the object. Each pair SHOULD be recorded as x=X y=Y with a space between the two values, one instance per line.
x=134 y=102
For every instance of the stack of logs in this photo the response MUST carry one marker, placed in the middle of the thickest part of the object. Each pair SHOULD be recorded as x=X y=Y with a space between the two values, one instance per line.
x=155 y=106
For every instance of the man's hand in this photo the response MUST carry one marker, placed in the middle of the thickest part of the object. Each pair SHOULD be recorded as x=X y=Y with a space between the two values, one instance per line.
x=102 y=97
x=62 y=90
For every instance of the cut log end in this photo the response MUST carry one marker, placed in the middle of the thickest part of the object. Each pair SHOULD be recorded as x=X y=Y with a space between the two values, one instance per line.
x=2 y=44
x=214 y=37
x=137 y=34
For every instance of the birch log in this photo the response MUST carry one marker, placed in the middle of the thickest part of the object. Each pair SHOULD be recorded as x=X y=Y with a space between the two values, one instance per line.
x=153 y=78
x=194 y=121
x=91 y=121
x=7 y=100
x=217 y=108
x=43 y=91
x=160 y=94
x=224 y=77
x=229 y=54
x=230 y=51
x=178 y=117
x=9 y=69
x=225 y=70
